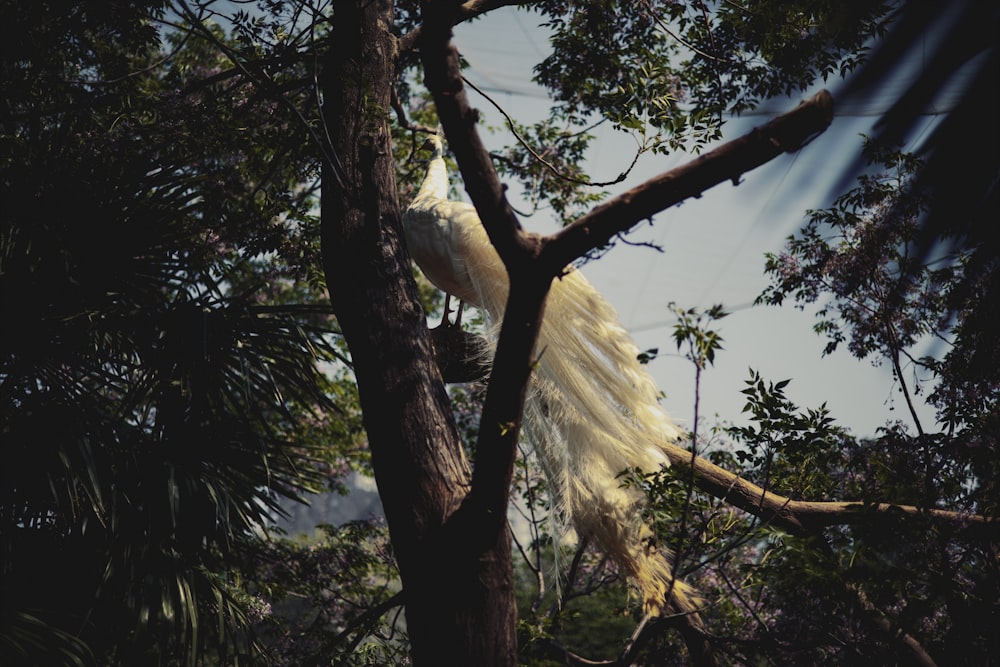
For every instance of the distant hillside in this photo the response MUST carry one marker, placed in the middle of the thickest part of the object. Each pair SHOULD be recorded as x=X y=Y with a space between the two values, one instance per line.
x=361 y=502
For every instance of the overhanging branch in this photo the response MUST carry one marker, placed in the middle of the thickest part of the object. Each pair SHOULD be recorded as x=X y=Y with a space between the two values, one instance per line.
x=803 y=517
x=784 y=134
x=443 y=77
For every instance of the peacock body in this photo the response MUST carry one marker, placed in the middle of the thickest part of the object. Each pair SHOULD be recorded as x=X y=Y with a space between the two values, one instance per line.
x=592 y=411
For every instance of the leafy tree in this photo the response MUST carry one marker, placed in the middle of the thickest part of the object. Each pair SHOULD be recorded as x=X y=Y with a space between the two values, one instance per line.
x=149 y=368
x=885 y=297
x=326 y=599
x=456 y=568
x=149 y=269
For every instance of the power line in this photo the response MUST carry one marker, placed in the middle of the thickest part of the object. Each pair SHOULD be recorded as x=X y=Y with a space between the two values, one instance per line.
x=659 y=324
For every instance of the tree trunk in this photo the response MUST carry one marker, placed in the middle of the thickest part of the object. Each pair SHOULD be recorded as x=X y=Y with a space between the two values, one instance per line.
x=457 y=576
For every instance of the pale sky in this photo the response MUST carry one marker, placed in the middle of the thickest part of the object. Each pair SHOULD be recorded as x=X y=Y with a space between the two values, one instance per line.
x=713 y=246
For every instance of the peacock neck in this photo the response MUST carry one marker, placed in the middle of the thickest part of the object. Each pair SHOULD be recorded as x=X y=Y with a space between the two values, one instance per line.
x=435 y=185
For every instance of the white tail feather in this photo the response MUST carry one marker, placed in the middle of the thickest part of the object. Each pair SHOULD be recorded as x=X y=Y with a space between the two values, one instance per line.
x=593 y=410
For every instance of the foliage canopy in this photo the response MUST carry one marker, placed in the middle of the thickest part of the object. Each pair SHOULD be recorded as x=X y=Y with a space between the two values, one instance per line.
x=170 y=372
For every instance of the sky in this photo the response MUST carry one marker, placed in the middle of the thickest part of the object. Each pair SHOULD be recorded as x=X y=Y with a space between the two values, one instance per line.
x=713 y=247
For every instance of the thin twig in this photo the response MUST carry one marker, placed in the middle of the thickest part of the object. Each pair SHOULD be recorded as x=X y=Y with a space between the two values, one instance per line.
x=548 y=165
x=264 y=82
x=680 y=40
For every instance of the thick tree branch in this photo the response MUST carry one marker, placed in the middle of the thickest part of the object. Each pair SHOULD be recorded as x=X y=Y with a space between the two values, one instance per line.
x=465 y=12
x=802 y=517
x=496 y=449
x=444 y=80
x=786 y=133
x=917 y=653
x=457 y=356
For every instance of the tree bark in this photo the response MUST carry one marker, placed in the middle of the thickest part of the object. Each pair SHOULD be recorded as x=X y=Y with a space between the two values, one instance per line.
x=455 y=565
x=786 y=133
x=805 y=517
x=448 y=527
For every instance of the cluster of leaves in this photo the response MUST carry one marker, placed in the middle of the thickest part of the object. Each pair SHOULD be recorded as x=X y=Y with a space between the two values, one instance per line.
x=680 y=65
x=846 y=594
x=908 y=574
x=854 y=251
x=883 y=588
x=160 y=392
x=791 y=451
x=621 y=49
x=743 y=54
x=887 y=290
x=880 y=588
x=332 y=597
x=884 y=293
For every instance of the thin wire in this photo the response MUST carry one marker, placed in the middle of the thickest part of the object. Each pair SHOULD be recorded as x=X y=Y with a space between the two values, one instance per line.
x=497 y=88
x=548 y=165
x=650 y=265
x=659 y=324
x=527 y=35
x=749 y=231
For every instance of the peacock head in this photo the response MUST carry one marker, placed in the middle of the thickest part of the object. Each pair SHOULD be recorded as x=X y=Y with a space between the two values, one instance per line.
x=434 y=143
